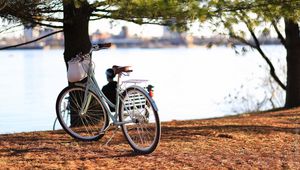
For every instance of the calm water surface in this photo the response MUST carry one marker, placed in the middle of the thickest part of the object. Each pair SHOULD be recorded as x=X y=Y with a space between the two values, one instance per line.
x=189 y=83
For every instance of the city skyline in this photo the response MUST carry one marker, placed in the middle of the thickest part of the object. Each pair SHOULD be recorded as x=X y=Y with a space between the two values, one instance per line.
x=126 y=37
x=105 y=26
x=114 y=27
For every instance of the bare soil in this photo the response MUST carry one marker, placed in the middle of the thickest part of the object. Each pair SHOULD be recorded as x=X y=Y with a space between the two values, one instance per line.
x=267 y=140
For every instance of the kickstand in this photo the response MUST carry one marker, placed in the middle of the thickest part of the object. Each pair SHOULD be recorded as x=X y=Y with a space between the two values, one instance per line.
x=113 y=134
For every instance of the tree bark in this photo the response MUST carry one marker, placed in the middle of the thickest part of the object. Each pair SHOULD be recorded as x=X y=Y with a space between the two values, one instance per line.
x=293 y=64
x=76 y=22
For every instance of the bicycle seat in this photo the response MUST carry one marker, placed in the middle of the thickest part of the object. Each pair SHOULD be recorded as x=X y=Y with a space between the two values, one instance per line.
x=121 y=69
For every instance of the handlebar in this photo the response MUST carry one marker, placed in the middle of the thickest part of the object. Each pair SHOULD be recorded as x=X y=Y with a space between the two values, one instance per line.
x=100 y=46
x=104 y=45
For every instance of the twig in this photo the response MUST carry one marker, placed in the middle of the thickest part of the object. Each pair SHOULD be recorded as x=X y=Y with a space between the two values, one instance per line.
x=13 y=46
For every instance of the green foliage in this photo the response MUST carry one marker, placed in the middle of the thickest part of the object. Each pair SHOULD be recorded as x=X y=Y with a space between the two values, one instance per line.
x=29 y=13
x=174 y=13
x=178 y=14
x=236 y=15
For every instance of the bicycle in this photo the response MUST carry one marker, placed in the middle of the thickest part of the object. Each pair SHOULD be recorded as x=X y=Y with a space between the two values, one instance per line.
x=83 y=110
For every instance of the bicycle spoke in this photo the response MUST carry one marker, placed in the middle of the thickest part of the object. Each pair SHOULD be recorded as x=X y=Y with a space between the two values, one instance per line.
x=142 y=134
x=83 y=126
x=88 y=129
x=147 y=131
x=75 y=102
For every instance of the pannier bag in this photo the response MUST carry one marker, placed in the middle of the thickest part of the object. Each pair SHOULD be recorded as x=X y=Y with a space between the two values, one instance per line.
x=78 y=68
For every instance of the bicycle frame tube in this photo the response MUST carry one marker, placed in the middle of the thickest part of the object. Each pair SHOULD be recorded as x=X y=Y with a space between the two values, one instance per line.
x=94 y=87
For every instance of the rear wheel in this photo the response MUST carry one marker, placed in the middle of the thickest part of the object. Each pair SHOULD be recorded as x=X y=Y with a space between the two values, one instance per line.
x=83 y=124
x=143 y=131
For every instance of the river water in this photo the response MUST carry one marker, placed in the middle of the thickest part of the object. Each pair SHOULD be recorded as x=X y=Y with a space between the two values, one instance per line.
x=190 y=83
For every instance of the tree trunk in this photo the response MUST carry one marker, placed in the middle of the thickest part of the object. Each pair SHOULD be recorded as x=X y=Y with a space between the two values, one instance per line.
x=76 y=24
x=76 y=20
x=293 y=64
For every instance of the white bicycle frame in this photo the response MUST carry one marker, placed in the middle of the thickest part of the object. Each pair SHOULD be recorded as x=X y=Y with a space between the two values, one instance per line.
x=92 y=85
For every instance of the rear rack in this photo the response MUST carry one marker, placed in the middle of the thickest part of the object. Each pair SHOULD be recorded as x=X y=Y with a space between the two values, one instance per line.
x=134 y=81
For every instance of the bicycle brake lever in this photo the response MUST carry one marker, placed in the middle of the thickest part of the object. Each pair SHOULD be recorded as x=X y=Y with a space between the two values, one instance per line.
x=125 y=74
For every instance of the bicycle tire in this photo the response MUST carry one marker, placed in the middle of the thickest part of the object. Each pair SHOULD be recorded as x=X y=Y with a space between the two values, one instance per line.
x=86 y=126
x=137 y=106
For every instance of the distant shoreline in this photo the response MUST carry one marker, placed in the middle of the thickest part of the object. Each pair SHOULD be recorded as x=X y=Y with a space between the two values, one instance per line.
x=135 y=47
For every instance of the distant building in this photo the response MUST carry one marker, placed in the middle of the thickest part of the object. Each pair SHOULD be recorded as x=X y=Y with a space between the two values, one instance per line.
x=30 y=33
x=168 y=33
x=124 y=33
x=173 y=37
x=98 y=36
x=53 y=41
x=45 y=31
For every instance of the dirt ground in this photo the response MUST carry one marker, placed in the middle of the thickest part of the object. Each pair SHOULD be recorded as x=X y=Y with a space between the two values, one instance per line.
x=267 y=140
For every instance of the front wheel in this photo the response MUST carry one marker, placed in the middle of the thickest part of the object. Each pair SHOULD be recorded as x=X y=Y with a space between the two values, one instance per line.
x=142 y=129
x=81 y=123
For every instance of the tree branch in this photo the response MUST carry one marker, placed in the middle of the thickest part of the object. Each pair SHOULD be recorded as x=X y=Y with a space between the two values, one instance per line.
x=49 y=19
x=10 y=27
x=281 y=38
x=13 y=46
x=43 y=24
x=242 y=40
x=258 y=48
x=50 y=11
x=272 y=69
x=134 y=20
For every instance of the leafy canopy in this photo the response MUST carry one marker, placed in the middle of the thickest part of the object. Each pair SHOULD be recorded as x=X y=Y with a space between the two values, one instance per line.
x=176 y=13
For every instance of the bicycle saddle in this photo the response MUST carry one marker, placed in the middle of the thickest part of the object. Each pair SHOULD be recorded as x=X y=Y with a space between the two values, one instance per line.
x=121 y=69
